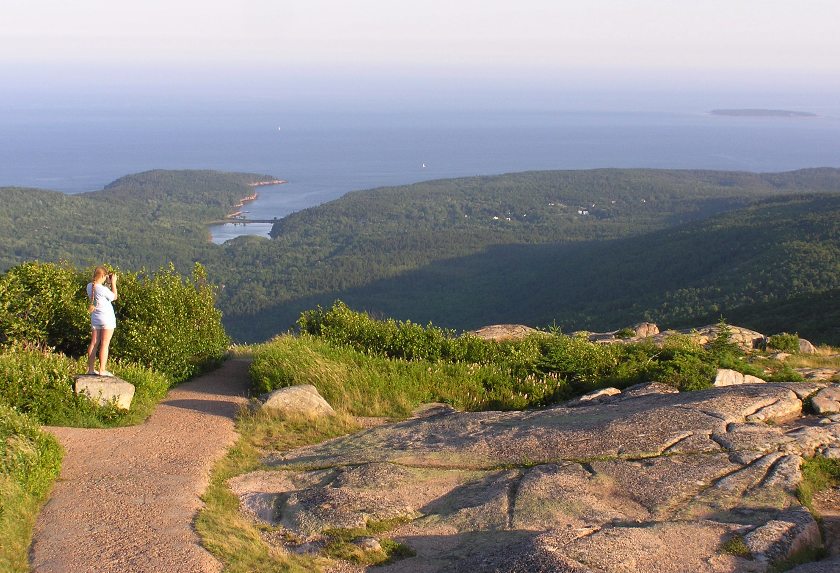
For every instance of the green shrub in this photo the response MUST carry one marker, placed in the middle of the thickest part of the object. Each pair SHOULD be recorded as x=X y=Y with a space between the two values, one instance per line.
x=625 y=333
x=784 y=373
x=581 y=363
x=39 y=384
x=722 y=348
x=392 y=338
x=169 y=323
x=165 y=321
x=683 y=370
x=784 y=342
x=44 y=304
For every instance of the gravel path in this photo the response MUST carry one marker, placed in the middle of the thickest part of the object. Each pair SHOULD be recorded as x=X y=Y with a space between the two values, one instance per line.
x=127 y=497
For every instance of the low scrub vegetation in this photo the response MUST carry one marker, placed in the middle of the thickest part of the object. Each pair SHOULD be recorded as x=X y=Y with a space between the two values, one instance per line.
x=386 y=368
x=784 y=342
x=39 y=383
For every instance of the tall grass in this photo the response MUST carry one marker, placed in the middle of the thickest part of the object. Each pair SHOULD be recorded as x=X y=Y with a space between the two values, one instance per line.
x=534 y=372
x=39 y=383
x=400 y=363
x=364 y=385
x=30 y=460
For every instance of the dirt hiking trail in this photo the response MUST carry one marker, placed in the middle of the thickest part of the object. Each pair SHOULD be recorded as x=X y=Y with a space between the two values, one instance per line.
x=127 y=497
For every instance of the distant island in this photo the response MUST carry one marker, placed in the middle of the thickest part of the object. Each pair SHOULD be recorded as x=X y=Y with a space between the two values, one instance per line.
x=762 y=113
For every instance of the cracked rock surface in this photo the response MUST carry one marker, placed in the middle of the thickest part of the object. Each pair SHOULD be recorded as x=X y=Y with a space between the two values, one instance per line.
x=644 y=480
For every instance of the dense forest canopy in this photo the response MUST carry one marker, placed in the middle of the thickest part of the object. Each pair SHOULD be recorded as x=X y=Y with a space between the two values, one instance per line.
x=594 y=249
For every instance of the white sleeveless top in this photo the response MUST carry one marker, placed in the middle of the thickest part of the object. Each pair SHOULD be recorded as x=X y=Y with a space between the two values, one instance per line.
x=103 y=316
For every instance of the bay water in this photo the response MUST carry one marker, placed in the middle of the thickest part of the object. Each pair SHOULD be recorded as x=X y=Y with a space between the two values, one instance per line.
x=325 y=154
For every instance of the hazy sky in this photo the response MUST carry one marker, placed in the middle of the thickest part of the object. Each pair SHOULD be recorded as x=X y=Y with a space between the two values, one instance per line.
x=647 y=34
x=376 y=51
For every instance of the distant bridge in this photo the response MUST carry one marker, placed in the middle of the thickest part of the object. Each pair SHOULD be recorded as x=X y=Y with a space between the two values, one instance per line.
x=246 y=221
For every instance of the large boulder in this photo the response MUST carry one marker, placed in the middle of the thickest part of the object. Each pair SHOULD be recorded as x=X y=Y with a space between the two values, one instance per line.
x=827 y=400
x=105 y=390
x=302 y=400
x=782 y=538
x=806 y=347
x=645 y=329
x=505 y=332
x=727 y=377
x=818 y=374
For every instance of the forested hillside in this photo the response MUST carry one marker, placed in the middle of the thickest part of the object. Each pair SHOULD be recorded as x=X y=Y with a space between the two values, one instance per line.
x=144 y=220
x=590 y=250
x=461 y=252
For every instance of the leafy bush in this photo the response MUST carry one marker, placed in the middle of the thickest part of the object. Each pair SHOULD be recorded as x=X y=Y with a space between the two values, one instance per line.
x=395 y=339
x=581 y=363
x=784 y=373
x=625 y=332
x=44 y=305
x=784 y=342
x=39 y=383
x=683 y=370
x=169 y=323
x=164 y=321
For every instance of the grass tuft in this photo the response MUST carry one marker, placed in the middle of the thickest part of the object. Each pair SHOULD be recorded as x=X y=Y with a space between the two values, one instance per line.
x=818 y=474
x=736 y=545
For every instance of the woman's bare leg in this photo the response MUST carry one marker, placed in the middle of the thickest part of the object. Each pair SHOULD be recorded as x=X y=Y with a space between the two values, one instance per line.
x=94 y=344
x=104 y=343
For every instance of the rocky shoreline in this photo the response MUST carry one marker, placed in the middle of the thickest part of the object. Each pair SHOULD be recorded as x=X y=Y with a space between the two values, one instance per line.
x=252 y=197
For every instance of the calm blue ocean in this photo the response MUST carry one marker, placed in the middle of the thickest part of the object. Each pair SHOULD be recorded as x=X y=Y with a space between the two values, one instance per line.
x=324 y=155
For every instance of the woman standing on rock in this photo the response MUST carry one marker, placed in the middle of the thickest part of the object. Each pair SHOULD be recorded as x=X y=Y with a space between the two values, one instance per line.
x=102 y=318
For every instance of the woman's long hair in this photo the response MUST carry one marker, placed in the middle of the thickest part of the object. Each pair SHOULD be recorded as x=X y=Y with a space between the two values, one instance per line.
x=98 y=273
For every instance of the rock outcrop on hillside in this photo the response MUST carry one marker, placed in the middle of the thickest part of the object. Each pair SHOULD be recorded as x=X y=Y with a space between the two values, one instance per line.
x=643 y=480
x=505 y=332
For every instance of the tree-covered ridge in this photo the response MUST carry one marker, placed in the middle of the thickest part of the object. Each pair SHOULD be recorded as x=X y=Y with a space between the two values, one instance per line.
x=396 y=229
x=550 y=205
x=143 y=221
x=759 y=255
x=192 y=194
x=365 y=241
